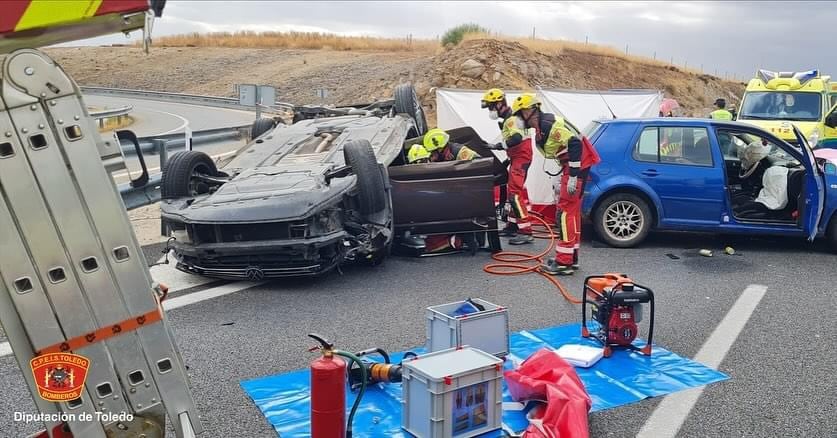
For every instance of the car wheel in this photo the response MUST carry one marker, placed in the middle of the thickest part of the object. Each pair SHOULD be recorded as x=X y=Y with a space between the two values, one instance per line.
x=622 y=220
x=407 y=102
x=370 y=182
x=260 y=126
x=179 y=173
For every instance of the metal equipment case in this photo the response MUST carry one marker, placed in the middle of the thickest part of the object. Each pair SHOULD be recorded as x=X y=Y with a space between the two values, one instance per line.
x=487 y=330
x=452 y=393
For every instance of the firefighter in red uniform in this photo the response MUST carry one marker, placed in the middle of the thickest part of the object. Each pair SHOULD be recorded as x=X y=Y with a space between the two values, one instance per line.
x=518 y=147
x=559 y=141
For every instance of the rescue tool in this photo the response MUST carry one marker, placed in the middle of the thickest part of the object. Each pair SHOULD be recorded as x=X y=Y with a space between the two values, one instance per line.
x=616 y=303
x=376 y=372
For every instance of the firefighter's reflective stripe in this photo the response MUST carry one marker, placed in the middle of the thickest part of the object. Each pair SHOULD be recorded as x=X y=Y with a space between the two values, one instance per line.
x=564 y=235
x=520 y=210
x=669 y=149
x=41 y=13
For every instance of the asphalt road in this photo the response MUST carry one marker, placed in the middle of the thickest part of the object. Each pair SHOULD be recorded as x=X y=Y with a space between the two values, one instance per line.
x=158 y=118
x=781 y=365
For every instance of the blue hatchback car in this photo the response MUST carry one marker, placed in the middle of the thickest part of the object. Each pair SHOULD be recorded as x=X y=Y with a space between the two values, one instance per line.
x=685 y=174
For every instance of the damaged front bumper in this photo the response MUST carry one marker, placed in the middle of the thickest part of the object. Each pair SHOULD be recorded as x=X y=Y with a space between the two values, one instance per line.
x=262 y=260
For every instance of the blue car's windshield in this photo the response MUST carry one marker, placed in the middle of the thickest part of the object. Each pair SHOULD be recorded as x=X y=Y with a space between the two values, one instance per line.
x=781 y=105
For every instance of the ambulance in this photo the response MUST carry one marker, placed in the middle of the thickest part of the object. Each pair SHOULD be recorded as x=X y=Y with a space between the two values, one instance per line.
x=775 y=100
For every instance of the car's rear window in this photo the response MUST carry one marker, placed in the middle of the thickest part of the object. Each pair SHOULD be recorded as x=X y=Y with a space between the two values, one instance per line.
x=591 y=129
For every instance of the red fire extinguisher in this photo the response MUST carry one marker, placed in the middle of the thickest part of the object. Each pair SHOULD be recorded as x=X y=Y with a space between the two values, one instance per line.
x=328 y=391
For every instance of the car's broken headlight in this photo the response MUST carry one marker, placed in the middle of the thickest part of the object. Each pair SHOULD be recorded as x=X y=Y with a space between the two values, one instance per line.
x=326 y=221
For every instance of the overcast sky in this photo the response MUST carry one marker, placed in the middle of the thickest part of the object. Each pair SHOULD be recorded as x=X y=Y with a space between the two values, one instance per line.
x=734 y=37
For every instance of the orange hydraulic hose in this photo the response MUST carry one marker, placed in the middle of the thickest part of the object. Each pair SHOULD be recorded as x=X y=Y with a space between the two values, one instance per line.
x=514 y=263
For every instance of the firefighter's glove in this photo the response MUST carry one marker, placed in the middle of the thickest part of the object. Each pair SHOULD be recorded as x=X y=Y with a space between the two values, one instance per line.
x=498 y=146
x=572 y=182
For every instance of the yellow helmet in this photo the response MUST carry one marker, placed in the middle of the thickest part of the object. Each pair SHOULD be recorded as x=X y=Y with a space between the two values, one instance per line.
x=435 y=139
x=417 y=153
x=492 y=96
x=525 y=101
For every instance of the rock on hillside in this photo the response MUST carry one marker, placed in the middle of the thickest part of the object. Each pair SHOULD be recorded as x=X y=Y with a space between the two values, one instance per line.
x=481 y=64
x=353 y=77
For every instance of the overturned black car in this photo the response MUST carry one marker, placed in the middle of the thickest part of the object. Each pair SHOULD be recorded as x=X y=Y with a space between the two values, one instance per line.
x=332 y=187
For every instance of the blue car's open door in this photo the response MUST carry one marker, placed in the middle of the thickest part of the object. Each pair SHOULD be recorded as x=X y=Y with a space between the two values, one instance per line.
x=814 y=187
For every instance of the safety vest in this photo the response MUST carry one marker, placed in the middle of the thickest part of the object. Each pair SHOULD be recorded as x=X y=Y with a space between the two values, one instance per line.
x=23 y=15
x=721 y=114
x=511 y=126
x=457 y=151
x=669 y=149
x=554 y=144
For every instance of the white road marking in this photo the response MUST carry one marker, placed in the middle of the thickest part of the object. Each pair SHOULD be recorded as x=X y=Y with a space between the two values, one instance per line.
x=672 y=412
x=177 y=280
x=208 y=294
x=170 y=131
x=153 y=169
x=178 y=302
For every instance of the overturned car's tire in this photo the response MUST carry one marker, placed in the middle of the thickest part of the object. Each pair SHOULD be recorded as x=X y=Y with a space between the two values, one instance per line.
x=407 y=102
x=179 y=171
x=260 y=126
x=370 y=181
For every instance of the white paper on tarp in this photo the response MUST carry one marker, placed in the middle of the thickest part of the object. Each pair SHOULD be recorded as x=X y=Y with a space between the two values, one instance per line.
x=456 y=108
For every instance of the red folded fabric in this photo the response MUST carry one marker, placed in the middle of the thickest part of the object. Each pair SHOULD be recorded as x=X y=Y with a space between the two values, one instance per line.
x=546 y=376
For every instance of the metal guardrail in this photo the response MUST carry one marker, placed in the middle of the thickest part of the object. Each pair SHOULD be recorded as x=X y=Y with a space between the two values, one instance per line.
x=135 y=197
x=116 y=112
x=193 y=99
x=178 y=140
x=141 y=196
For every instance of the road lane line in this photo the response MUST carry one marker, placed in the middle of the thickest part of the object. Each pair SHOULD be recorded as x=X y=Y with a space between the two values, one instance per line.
x=672 y=412
x=178 y=302
x=208 y=294
x=183 y=119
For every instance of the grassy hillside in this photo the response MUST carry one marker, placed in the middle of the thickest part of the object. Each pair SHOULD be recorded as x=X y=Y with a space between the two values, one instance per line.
x=360 y=69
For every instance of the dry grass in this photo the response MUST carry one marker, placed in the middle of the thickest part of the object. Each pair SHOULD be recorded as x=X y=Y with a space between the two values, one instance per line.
x=557 y=47
x=297 y=40
x=323 y=41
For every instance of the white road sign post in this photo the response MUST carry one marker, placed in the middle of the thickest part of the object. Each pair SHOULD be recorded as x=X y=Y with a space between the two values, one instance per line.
x=256 y=96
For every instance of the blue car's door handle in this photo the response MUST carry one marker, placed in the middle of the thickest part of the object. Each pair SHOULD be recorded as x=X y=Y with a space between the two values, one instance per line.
x=650 y=172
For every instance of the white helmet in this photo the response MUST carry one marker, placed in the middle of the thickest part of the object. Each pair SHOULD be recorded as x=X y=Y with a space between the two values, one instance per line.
x=751 y=155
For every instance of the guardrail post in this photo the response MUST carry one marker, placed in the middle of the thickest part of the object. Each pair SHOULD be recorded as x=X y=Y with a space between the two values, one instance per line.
x=161 y=146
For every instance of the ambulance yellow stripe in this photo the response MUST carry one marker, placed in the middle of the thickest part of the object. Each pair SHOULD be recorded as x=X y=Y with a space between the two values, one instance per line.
x=41 y=13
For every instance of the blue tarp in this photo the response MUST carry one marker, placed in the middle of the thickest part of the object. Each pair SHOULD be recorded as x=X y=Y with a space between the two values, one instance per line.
x=625 y=377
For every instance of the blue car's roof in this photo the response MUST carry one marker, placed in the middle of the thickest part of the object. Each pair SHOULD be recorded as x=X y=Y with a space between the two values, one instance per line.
x=679 y=121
